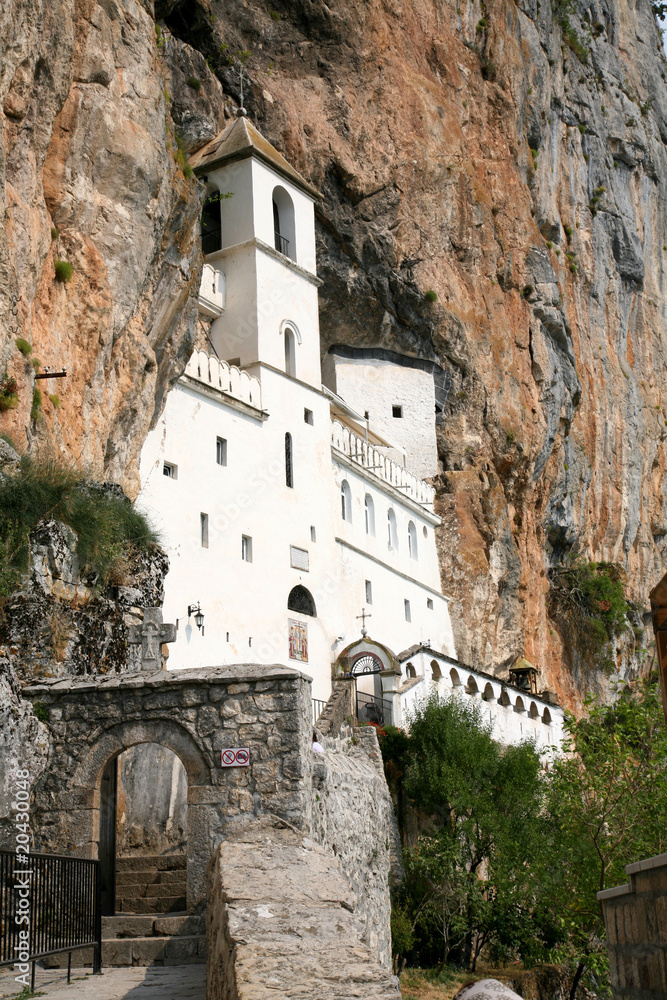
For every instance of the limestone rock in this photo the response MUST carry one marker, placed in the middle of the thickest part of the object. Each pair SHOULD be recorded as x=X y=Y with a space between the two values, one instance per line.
x=24 y=745
x=487 y=989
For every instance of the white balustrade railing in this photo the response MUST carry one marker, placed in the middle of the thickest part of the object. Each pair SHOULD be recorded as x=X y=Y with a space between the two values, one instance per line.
x=228 y=378
x=211 y=291
x=359 y=450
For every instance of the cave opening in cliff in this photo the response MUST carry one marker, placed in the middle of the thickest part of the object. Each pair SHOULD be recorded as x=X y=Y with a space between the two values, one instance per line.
x=143 y=831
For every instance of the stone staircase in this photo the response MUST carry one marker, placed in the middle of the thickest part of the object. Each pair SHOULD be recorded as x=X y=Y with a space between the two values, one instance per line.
x=284 y=923
x=151 y=884
x=131 y=939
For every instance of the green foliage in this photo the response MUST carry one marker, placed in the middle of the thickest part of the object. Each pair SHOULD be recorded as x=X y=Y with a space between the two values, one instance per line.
x=24 y=347
x=568 y=231
x=467 y=885
x=588 y=600
x=181 y=157
x=9 y=393
x=159 y=37
x=431 y=296
x=55 y=232
x=106 y=524
x=36 y=410
x=63 y=269
x=40 y=711
x=510 y=436
x=194 y=82
x=275 y=15
x=243 y=55
x=8 y=439
x=606 y=807
x=55 y=400
x=562 y=10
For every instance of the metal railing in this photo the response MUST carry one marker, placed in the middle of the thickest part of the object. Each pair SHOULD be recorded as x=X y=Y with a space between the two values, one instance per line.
x=211 y=241
x=60 y=896
x=370 y=708
x=282 y=244
x=318 y=708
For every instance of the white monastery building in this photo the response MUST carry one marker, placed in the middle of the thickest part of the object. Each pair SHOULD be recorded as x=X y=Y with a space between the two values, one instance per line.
x=289 y=494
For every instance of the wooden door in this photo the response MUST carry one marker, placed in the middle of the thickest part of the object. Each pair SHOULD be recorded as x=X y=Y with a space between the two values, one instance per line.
x=107 y=848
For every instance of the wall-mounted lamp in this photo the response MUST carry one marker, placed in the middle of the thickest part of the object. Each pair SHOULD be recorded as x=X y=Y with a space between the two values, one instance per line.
x=195 y=609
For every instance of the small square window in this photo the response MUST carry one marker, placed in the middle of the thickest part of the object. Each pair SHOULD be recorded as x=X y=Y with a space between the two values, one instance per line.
x=429 y=603
x=397 y=411
x=203 y=525
x=221 y=451
x=369 y=592
x=308 y=416
x=170 y=470
x=313 y=533
x=408 y=616
x=246 y=548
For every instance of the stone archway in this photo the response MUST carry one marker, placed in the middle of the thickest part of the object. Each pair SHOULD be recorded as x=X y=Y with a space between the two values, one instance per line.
x=194 y=714
x=97 y=771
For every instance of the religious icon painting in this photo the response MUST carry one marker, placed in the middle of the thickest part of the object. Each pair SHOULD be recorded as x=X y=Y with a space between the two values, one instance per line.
x=298 y=640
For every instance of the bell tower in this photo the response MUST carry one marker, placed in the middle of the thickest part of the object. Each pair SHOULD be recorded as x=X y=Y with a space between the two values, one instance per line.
x=258 y=230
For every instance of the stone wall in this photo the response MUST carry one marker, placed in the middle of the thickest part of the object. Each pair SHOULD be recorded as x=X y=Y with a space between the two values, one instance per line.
x=635 y=917
x=353 y=816
x=195 y=714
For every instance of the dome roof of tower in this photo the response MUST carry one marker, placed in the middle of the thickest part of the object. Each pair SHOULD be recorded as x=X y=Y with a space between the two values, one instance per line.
x=242 y=139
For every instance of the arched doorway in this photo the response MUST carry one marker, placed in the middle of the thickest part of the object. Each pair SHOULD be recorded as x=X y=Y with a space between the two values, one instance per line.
x=143 y=831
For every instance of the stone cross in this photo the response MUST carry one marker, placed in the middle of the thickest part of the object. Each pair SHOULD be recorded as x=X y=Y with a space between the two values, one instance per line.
x=151 y=634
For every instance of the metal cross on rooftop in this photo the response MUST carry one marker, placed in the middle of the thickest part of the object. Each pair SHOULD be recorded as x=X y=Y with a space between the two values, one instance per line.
x=364 y=615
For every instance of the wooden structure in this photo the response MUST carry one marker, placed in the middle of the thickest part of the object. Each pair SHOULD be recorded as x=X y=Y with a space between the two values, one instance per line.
x=658 y=598
x=523 y=675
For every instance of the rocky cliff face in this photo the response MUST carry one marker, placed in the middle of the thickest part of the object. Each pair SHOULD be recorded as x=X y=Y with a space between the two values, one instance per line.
x=509 y=157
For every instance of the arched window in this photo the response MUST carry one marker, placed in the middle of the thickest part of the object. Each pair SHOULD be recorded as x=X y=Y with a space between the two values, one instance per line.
x=369 y=514
x=290 y=351
x=392 y=533
x=301 y=600
x=412 y=541
x=345 y=501
x=532 y=711
x=471 y=686
x=436 y=672
x=505 y=699
x=519 y=706
x=454 y=677
x=410 y=670
x=283 y=223
x=488 y=693
x=546 y=717
x=211 y=227
x=289 y=469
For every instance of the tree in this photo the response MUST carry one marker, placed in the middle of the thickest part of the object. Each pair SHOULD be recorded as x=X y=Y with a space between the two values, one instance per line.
x=606 y=807
x=480 y=808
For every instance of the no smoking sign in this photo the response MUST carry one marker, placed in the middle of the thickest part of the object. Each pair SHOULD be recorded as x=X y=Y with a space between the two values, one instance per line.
x=235 y=757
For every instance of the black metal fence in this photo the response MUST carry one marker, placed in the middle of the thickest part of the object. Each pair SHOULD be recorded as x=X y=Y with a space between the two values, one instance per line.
x=370 y=708
x=56 y=900
x=282 y=244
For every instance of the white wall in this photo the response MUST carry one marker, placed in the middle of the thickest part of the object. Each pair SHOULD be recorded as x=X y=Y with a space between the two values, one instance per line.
x=375 y=386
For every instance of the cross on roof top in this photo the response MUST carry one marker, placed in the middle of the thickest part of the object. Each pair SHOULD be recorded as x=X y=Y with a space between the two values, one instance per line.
x=364 y=615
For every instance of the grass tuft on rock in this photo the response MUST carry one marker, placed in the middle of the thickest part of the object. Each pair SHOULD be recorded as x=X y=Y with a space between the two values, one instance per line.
x=24 y=347
x=63 y=269
x=194 y=82
x=107 y=526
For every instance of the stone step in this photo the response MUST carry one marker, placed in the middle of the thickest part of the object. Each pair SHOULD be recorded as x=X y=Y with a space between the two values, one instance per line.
x=151 y=904
x=151 y=876
x=130 y=926
x=162 y=862
x=144 y=951
x=157 y=888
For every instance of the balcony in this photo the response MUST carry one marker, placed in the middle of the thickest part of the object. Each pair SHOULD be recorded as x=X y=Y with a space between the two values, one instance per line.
x=211 y=292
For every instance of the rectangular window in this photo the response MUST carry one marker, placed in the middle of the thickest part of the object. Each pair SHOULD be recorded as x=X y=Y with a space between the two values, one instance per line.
x=429 y=603
x=369 y=592
x=298 y=558
x=246 y=548
x=308 y=416
x=221 y=451
x=313 y=533
x=408 y=616
x=170 y=470
x=203 y=524
x=397 y=411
